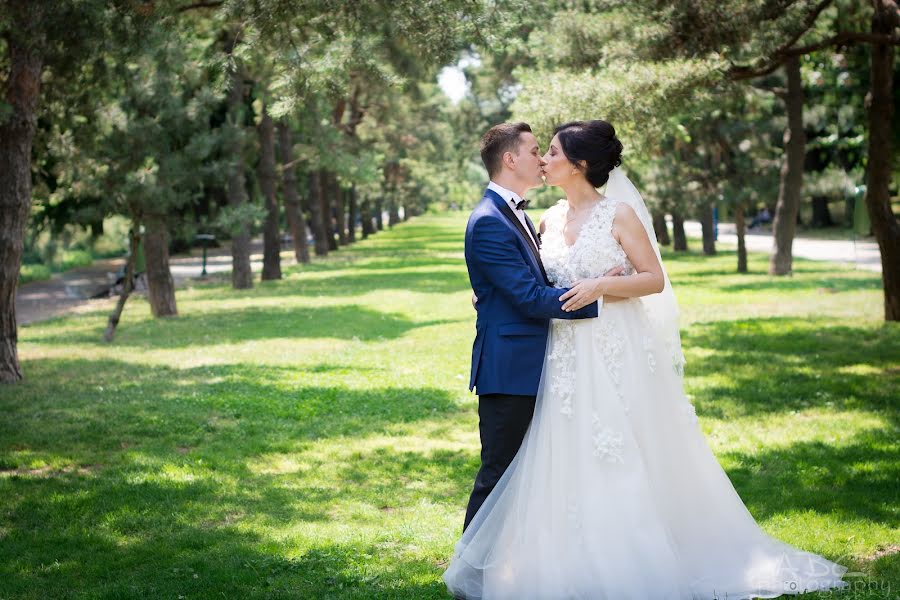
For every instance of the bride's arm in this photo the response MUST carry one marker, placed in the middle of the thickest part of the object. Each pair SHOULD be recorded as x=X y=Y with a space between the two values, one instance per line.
x=648 y=278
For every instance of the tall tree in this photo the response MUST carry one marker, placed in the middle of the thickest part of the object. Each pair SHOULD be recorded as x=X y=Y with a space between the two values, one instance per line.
x=241 y=273
x=271 y=232
x=38 y=38
x=791 y=189
x=321 y=221
x=885 y=24
x=352 y=211
x=293 y=209
x=679 y=237
x=160 y=285
x=25 y=45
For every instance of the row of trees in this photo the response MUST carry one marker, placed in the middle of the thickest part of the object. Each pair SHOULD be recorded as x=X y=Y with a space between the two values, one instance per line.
x=704 y=89
x=201 y=115
x=187 y=116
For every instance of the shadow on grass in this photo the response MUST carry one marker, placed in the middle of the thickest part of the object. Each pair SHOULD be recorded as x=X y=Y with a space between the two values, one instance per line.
x=366 y=279
x=725 y=262
x=857 y=479
x=384 y=262
x=157 y=541
x=251 y=323
x=256 y=407
x=783 y=364
x=343 y=569
x=828 y=285
x=169 y=473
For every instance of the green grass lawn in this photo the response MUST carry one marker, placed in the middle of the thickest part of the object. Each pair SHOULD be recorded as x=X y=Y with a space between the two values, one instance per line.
x=314 y=438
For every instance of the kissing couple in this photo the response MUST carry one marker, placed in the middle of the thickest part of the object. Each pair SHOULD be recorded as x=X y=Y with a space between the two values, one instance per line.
x=595 y=480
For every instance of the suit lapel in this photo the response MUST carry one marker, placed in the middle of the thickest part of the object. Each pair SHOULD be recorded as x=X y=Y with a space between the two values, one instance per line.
x=534 y=233
x=510 y=215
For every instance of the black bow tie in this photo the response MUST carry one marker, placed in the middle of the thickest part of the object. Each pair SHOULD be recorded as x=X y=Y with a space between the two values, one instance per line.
x=522 y=205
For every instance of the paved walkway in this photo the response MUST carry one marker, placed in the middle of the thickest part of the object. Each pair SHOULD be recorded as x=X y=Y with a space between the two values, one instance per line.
x=76 y=290
x=861 y=254
x=83 y=289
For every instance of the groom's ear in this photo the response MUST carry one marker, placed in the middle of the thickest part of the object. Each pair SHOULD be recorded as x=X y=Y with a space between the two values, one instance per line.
x=509 y=159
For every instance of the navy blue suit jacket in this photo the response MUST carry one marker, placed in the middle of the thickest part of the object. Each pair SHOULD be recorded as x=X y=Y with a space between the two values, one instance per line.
x=515 y=301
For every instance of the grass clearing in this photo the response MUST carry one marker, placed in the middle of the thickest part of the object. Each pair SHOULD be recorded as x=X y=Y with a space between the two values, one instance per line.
x=313 y=437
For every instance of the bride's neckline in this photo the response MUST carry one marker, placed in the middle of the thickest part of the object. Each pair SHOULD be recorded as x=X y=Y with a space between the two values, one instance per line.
x=590 y=215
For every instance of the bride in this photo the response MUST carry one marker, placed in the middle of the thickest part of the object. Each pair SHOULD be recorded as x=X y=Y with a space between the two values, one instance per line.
x=614 y=493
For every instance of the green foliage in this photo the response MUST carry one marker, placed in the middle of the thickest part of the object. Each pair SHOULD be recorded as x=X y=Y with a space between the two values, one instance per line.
x=143 y=145
x=638 y=99
x=33 y=272
x=729 y=157
x=231 y=219
x=665 y=77
x=313 y=437
x=50 y=251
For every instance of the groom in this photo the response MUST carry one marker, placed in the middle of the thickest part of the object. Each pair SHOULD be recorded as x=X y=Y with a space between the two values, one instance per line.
x=514 y=300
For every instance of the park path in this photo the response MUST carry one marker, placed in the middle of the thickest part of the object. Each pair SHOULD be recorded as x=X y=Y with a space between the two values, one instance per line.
x=863 y=254
x=73 y=290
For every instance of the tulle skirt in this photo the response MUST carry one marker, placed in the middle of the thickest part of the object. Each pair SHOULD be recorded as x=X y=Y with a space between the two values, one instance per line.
x=615 y=493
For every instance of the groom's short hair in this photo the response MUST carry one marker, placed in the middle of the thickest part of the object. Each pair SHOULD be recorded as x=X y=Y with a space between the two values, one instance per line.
x=498 y=140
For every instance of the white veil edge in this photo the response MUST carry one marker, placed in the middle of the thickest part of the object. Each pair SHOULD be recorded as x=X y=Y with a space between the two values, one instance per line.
x=661 y=308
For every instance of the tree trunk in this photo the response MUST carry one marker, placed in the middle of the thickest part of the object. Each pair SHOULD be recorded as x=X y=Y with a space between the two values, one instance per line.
x=292 y=208
x=741 y=229
x=134 y=241
x=316 y=205
x=661 y=228
x=708 y=230
x=821 y=216
x=329 y=185
x=878 y=178
x=23 y=89
x=160 y=286
x=393 y=215
x=241 y=274
x=271 y=232
x=352 y=210
x=379 y=214
x=791 y=189
x=367 y=218
x=679 y=239
x=340 y=198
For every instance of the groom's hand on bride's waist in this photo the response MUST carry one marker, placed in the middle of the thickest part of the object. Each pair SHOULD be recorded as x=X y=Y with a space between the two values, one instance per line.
x=620 y=270
x=586 y=291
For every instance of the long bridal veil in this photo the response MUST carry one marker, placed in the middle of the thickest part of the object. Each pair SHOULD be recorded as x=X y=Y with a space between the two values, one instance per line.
x=661 y=308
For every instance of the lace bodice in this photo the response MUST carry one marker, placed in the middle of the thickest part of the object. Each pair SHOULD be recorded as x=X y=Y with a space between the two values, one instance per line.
x=595 y=251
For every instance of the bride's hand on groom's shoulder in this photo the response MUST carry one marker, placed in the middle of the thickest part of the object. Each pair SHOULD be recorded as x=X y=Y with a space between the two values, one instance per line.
x=586 y=291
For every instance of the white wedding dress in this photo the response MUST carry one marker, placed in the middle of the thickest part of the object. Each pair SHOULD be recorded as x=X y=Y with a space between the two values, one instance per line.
x=615 y=493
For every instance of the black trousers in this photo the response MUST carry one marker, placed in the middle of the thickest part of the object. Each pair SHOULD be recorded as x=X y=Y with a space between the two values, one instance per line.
x=503 y=421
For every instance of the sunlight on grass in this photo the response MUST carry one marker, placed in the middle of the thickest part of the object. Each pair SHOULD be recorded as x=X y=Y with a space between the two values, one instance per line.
x=314 y=437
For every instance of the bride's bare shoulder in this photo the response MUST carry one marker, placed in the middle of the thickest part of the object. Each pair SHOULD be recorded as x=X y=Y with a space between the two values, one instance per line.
x=625 y=213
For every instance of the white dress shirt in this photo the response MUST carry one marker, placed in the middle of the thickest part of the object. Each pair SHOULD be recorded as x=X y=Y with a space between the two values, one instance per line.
x=512 y=199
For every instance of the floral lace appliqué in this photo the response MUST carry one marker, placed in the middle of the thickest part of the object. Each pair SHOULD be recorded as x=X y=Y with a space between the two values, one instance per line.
x=608 y=444
x=611 y=346
x=595 y=251
x=562 y=359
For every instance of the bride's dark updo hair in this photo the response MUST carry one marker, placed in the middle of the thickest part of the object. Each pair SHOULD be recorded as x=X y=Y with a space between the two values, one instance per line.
x=593 y=142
